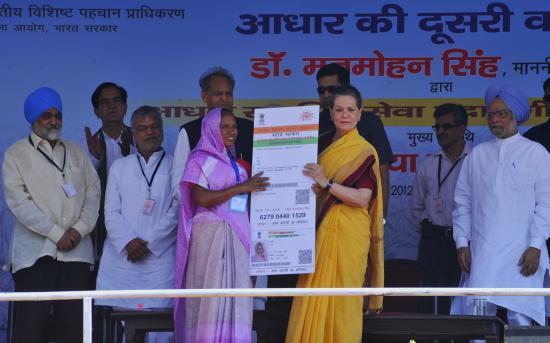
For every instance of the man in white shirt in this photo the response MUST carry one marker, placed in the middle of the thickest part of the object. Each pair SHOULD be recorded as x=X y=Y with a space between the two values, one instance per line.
x=501 y=218
x=433 y=200
x=141 y=217
x=52 y=190
x=112 y=141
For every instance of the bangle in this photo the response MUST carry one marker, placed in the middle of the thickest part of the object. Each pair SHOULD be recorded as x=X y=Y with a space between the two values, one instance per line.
x=227 y=195
x=329 y=184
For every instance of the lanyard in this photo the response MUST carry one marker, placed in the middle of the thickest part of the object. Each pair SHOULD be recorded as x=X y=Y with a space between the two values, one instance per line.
x=439 y=181
x=62 y=168
x=150 y=182
x=235 y=168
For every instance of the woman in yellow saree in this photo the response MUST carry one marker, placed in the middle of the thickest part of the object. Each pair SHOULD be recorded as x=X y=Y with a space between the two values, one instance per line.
x=349 y=231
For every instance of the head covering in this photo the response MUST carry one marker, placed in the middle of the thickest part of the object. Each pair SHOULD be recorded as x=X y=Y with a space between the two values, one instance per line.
x=40 y=101
x=514 y=99
x=209 y=160
x=211 y=141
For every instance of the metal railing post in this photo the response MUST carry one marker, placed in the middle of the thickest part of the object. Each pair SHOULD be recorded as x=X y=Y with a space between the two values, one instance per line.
x=87 y=320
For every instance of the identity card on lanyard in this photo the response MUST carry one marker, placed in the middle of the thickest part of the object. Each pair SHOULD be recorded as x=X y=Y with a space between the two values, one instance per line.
x=237 y=203
x=149 y=203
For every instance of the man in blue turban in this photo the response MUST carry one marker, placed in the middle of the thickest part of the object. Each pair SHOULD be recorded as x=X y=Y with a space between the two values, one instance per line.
x=501 y=218
x=38 y=104
x=52 y=190
x=40 y=101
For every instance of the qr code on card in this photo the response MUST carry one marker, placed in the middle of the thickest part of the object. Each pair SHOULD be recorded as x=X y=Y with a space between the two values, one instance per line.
x=304 y=256
x=302 y=197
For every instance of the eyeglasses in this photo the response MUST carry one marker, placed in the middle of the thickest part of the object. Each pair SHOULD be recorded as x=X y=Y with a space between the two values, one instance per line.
x=330 y=89
x=500 y=114
x=444 y=127
x=546 y=98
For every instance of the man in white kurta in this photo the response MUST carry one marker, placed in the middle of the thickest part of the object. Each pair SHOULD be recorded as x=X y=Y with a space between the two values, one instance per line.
x=501 y=218
x=141 y=214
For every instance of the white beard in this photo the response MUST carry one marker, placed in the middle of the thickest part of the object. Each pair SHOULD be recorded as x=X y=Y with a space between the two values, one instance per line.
x=50 y=134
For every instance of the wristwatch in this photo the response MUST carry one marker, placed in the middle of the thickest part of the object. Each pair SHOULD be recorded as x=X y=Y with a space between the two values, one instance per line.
x=329 y=184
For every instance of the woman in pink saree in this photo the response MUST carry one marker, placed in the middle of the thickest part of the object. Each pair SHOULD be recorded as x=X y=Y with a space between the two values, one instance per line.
x=214 y=236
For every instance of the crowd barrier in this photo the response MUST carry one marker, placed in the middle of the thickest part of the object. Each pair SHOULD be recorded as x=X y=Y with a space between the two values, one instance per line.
x=87 y=296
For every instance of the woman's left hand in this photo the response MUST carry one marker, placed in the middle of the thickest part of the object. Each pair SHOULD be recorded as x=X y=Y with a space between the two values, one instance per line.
x=317 y=173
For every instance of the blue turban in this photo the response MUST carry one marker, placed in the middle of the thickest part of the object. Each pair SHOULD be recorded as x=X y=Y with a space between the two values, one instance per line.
x=39 y=102
x=514 y=99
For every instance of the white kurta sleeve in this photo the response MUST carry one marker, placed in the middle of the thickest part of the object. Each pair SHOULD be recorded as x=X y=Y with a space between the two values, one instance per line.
x=420 y=192
x=462 y=213
x=163 y=235
x=22 y=205
x=180 y=158
x=539 y=231
x=119 y=230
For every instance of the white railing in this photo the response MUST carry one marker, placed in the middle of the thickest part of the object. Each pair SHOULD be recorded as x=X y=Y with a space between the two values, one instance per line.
x=87 y=296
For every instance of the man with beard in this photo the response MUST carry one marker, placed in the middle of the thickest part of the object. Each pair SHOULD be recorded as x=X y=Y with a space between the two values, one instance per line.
x=501 y=218
x=52 y=190
x=433 y=194
x=111 y=142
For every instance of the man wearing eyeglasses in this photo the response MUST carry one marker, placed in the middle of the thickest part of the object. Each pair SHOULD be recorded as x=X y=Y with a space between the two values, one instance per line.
x=432 y=203
x=370 y=127
x=52 y=190
x=501 y=218
x=541 y=133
